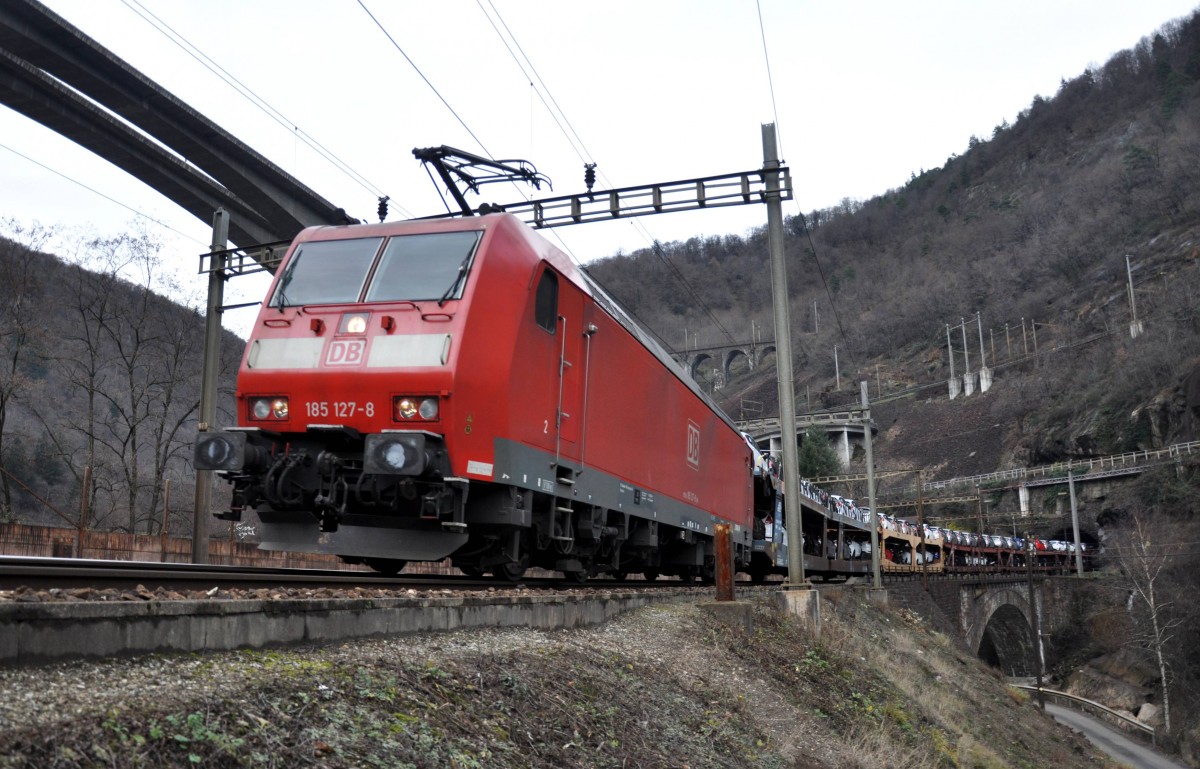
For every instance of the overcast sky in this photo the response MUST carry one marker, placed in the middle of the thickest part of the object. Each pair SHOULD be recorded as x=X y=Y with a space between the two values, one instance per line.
x=865 y=94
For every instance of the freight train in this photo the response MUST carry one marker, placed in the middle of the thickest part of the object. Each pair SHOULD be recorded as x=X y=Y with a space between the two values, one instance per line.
x=459 y=389
x=836 y=542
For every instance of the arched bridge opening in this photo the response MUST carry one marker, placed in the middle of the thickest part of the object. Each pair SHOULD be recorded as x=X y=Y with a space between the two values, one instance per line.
x=706 y=372
x=1005 y=642
x=1001 y=632
x=736 y=363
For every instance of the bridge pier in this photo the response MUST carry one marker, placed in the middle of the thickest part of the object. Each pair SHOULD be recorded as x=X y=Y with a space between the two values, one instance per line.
x=845 y=431
x=842 y=445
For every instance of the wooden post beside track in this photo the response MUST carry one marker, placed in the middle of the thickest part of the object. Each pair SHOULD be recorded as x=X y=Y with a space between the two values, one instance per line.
x=724 y=556
x=83 y=509
x=166 y=516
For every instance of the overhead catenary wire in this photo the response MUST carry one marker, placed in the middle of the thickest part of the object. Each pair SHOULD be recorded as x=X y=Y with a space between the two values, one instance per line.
x=446 y=103
x=576 y=143
x=568 y=130
x=585 y=156
x=691 y=291
x=572 y=136
x=250 y=95
x=799 y=213
x=770 y=80
x=109 y=198
x=421 y=74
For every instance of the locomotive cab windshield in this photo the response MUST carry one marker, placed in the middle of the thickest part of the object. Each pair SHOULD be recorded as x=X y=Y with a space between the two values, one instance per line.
x=424 y=267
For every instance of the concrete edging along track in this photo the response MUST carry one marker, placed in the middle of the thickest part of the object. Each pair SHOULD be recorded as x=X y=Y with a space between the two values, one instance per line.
x=54 y=631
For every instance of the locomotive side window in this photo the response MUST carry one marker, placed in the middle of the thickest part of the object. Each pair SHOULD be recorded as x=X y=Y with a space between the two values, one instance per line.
x=423 y=267
x=326 y=272
x=545 y=308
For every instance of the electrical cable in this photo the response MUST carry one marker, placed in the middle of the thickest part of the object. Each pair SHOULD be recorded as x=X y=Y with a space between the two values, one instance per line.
x=421 y=74
x=584 y=155
x=800 y=214
x=770 y=80
x=691 y=291
x=457 y=117
x=249 y=94
x=101 y=194
x=520 y=66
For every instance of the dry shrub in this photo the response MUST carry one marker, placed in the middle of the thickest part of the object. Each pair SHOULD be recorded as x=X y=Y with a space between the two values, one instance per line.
x=873 y=747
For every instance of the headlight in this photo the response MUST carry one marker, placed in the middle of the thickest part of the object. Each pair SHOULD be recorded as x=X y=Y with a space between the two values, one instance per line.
x=410 y=408
x=395 y=454
x=220 y=451
x=354 y=324
x=269 y=408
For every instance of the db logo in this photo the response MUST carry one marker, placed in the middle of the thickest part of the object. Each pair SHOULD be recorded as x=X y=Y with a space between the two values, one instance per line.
x=346 y=352
x=693 y=444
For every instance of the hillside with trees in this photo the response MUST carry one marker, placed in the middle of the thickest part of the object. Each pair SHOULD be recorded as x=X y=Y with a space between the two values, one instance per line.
x=99 y=383
x=1017 y=250
x=1029 y=228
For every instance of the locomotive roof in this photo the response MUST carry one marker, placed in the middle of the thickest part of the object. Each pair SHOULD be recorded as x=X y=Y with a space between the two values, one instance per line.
x=585 y=281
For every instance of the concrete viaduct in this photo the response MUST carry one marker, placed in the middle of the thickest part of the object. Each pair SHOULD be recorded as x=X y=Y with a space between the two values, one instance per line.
x=845 y=429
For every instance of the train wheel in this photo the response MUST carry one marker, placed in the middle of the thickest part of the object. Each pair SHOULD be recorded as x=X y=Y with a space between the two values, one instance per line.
x=389 y=566
x=619 y=576
x=650 y=576
x=510 y=572
x=577 y=577
x=471 y=571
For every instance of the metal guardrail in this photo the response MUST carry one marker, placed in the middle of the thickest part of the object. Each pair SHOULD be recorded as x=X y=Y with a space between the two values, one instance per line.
x=1122 y=720
x=1116 y=464
x=771 y=424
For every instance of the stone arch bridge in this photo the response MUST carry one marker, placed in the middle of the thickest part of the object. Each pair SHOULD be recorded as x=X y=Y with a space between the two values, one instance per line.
x=989 y=613
x=723 y=358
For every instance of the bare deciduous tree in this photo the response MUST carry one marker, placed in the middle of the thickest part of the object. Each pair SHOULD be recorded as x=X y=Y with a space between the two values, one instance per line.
x=1146 y=550
x=18 y=292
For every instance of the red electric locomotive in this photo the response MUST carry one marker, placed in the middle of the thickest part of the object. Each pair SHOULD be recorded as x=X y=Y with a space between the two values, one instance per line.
x=459 y=388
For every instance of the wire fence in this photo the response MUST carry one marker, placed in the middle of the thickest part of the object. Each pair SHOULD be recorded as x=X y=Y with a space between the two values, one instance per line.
x=18 y=539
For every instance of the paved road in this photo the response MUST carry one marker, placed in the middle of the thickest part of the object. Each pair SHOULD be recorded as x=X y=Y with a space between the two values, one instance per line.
x=1111 y=741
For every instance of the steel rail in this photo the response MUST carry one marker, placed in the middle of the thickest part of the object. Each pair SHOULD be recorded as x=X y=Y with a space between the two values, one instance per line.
x=66 y=573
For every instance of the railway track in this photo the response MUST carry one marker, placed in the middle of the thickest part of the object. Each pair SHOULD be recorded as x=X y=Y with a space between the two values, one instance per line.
x=59 y=609
x=70 y=573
